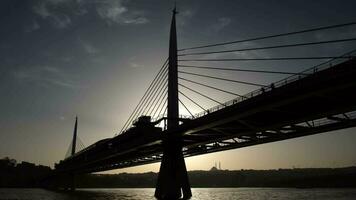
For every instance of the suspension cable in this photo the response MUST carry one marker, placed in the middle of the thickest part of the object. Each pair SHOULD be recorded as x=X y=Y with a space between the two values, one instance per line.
x=208 y=86
x=270 y=47
x=69 y=150
x=144 y=96
x=186 y=108
x=271 y=36
x=165 y=110
x=160 y=104
x=156 y=95
x=242 y=70
x=280 y=58
x=223 y=79
x=80 y=144
x=147 y=100
x=150 y=97
x=192 y=100
x=161 y=92
x=200 y=94
x=155 y=90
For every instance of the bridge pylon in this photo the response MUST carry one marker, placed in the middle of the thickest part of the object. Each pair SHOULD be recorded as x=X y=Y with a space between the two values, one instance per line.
x=74 y=143
x=173 y=178
x=75 y=133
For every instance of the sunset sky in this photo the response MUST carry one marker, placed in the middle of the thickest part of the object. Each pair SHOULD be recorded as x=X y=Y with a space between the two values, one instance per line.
x=96 y=58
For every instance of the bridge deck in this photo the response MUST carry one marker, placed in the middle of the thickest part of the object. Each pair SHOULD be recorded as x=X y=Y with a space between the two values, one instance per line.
x=320 y=102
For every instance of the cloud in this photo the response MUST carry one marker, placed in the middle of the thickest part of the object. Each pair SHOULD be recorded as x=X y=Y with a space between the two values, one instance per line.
x=221 y=24
x=66 y=59
x=45 y=76
x=134 y=63
x=32 y=27
x=184 y=17
x=42 y=10
x=48 y=10
x=113 y=11
x=61 y=21
x=239 y=54
x=348 y=32
x=51 y=69
x=57 y=1
x=89 y=48
x=186 y=13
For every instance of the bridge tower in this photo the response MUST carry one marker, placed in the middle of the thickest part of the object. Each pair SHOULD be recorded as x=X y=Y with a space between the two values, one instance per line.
x=74 y=143
x=173 y=178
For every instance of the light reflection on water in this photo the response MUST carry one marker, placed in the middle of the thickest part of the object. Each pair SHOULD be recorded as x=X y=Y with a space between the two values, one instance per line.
x=198 y=194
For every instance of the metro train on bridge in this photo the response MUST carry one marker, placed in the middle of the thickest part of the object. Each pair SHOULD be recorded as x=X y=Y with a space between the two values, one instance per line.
x=143 y=130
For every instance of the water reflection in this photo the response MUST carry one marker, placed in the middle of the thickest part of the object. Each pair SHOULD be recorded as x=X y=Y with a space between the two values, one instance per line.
x=198 y=194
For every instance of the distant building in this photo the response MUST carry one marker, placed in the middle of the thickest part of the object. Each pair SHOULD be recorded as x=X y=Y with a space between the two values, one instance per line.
x=214 y=169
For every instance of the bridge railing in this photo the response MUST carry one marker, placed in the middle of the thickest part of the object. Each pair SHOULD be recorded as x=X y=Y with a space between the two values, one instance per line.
x=280 y=83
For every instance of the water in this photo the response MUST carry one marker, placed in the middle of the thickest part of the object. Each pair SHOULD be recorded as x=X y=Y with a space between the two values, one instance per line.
x=198 y=194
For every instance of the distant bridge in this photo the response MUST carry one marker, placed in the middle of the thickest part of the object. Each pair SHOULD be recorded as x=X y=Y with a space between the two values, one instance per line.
x=316 y=100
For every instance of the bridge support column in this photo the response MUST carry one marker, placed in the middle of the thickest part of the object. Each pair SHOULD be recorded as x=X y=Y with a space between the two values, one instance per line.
x=72 y=182
x=173 y=178
x=74 y=143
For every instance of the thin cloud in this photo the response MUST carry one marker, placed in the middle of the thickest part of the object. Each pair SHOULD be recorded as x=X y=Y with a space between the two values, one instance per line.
x=134 y=63
x=336 y=34
x=115 y=12
x=239 y=54
x=61 y=21
x=221 y=24
x=45 y=76
x=46 y=9
x=66 y=59
x=184 y=17
x=88 y=48
x=32 y=27
x=41 y=9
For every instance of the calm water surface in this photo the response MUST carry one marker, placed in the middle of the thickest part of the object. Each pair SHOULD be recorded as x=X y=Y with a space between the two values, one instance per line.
x=198 y=194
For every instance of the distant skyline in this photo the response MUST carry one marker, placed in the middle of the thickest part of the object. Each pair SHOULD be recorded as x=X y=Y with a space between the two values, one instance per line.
x=95 y=59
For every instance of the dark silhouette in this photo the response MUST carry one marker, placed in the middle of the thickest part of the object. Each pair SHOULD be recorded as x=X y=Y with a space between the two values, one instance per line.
x=296 y=106
x=296 y=178
x=24 y=174
x=27 y=174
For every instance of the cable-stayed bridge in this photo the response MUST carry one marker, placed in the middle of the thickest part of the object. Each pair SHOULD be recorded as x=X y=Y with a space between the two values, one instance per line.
x=319 y=99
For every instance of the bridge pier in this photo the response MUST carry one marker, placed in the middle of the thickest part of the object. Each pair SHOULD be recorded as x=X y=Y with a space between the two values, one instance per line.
x=72 y=182
x=173 y=177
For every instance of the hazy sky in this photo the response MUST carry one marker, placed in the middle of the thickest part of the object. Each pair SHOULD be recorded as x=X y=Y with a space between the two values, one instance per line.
x=95 y=59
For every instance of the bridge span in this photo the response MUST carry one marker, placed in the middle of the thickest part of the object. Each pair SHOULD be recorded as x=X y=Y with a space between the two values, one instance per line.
x=317 y=100
x=324 y=100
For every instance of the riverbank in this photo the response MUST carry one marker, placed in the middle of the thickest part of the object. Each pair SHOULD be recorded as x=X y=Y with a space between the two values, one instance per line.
x=29 y=175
